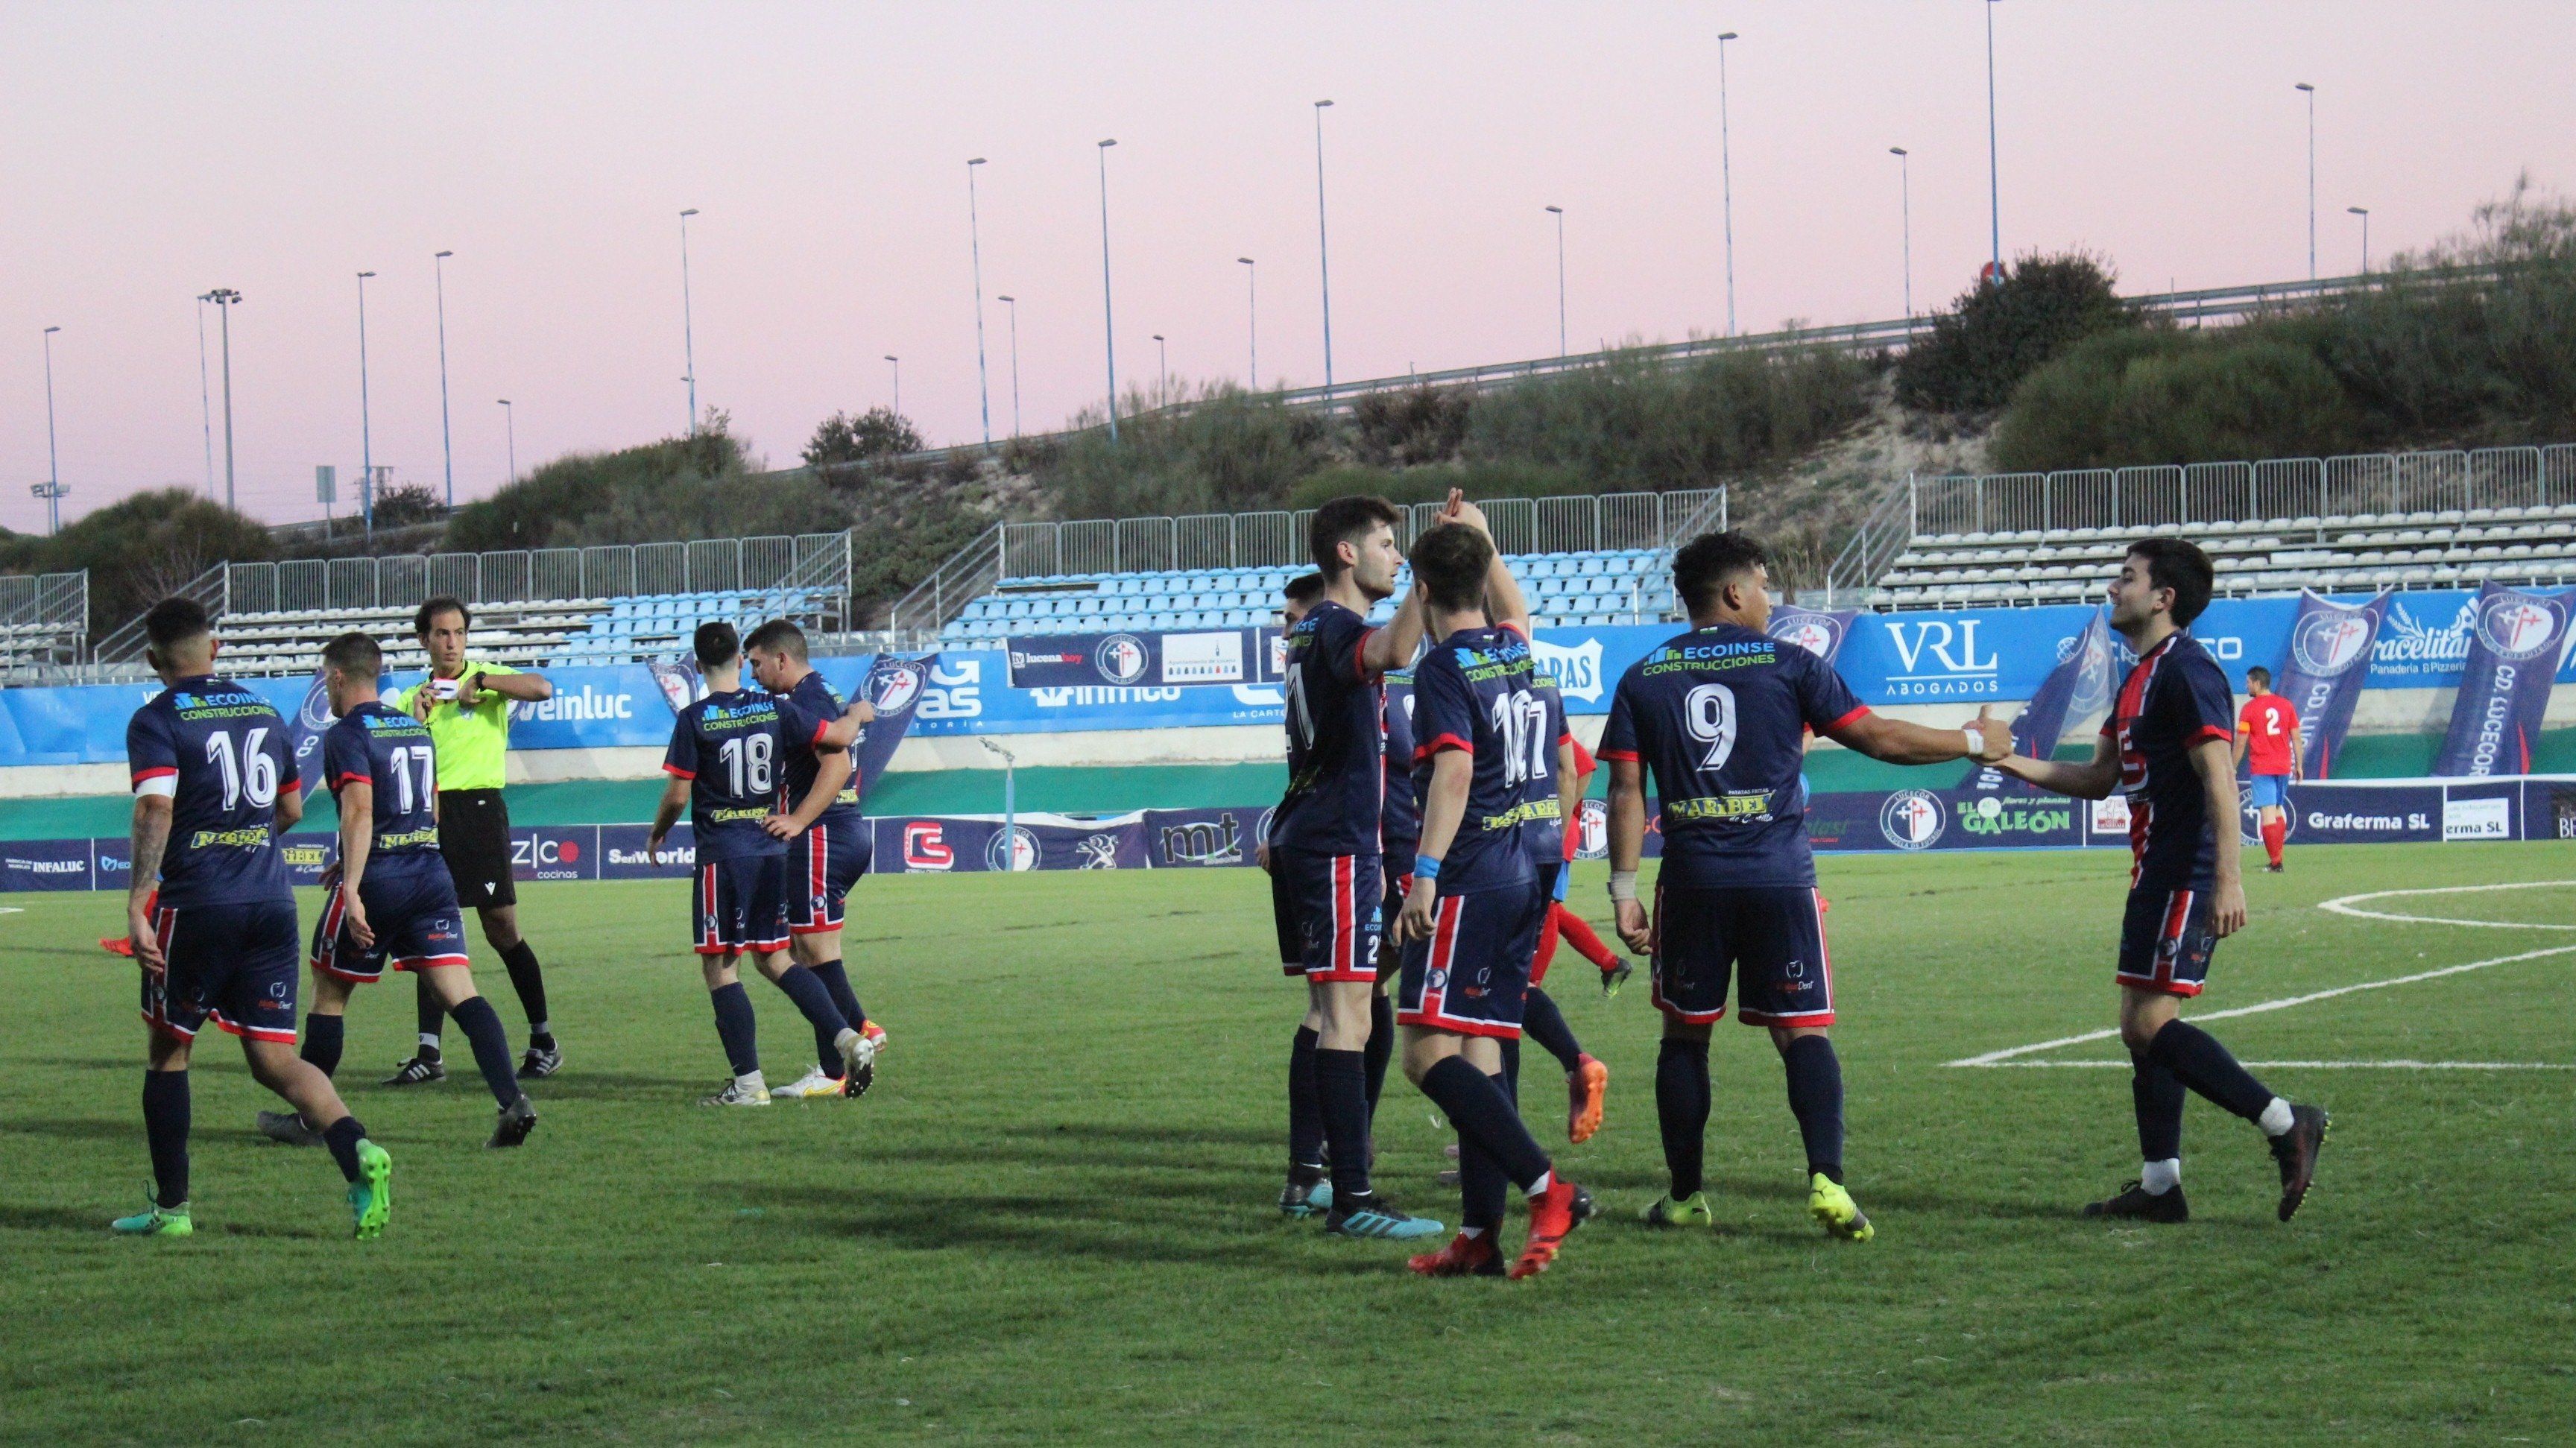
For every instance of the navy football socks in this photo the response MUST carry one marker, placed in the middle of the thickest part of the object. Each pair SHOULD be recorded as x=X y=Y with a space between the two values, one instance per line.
x=1305 y=1109
x=343 y=1136
x=165 y=1127
x=1681 y=1111
x=1381 y=1047
x=1510 y=1078
x=322 y=1037
x=2157 y=1095
x=1475 y=1104
x=1481 y=1184
x=1542 y=1022
x=836 y=979
x=2195 y=1057
x=433 y=1017
x=1341 y=1097
x=737 y=1027
x=482 y=1027
x=813 y=999
x=530 y=983
x=1816 y=1095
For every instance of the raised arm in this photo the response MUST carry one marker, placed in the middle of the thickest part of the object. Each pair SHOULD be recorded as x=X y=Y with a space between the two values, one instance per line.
x=1392 y=647
x=528 y=688
x=1894 y=741
x=841 y=733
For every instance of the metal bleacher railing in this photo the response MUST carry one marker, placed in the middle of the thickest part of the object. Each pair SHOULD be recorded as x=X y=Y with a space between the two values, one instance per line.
x=1277 y=539
x=44 y=621
x=2296 y=491
x=816 y=562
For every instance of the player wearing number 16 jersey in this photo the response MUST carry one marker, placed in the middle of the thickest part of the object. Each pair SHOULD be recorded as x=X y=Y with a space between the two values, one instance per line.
x=1719 y=716
x=724 y=761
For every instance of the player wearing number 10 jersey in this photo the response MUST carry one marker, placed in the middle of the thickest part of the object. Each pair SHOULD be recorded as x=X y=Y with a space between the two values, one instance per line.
x=1719 y=716
x=724 y=760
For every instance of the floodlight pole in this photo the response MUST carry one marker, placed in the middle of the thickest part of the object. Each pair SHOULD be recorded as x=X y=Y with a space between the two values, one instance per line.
x=1108 y=312
x=975 y=246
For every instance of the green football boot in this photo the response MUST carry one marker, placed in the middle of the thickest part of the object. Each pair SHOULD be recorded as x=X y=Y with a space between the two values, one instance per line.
x=371 y=1196
x=1691 y=1212
x=1835 y=1211
x=155 y=1220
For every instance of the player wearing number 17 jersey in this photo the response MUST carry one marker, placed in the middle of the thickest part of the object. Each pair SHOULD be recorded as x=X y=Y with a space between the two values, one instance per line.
x=1719 y=716
x=724 y=759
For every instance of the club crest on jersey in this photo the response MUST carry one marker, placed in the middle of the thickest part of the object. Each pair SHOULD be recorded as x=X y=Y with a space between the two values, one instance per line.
x=2519 y=626
x=2328 y=644
x=1912 y=819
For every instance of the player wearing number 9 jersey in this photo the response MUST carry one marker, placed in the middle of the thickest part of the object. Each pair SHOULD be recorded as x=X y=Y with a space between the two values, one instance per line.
x=724 y=762
x=1719 y=716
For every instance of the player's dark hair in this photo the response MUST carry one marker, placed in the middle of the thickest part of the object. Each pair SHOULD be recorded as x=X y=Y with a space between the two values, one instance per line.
x=1304 y=589
x=175 y=621
x=2178 y=564
x=716 y=644
x=1709 y=562
x=778 y=636
x=2259 y=675
x=1449 y=564
x=355 y=655
x=1340 y=521
x=429 y=611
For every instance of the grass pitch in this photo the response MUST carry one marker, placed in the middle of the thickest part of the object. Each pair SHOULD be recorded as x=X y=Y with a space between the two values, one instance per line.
x=1053 y=1217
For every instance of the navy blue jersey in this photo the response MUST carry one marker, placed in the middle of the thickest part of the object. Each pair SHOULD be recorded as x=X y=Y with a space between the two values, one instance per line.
x=728 y=747
x=804 y=712
x=1473 y=692
x=1719 y=718
x=389 y=751
x=1336 y=744
x=220 y=753
x=1400 y=817
x=1543 y=814
x=2174 y=699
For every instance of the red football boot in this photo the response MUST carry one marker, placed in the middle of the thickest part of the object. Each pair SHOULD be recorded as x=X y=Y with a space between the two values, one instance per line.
x=1585 y=1085
x=1554 y=1214
x=1465 y=1256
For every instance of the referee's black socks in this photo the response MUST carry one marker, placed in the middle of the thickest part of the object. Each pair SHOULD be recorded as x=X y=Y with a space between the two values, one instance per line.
x=530 y=983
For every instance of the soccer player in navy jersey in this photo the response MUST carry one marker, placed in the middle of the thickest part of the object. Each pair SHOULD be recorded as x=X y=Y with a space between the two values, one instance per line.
x=214 y=785
x=389 y=897
x=2168 y=745
x=828 y=842
x=1470 y=922
x=724 y=762
x=1719 y=715
x=1325 y=860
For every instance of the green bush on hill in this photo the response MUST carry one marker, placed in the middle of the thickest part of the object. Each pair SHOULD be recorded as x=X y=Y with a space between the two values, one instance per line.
x=2163 y=395
x=694 y=487
x=138 y=549
x=1994 y=336
x=1231 y=450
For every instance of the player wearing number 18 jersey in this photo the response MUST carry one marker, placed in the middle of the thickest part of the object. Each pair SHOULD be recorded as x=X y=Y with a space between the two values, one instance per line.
x=1719 y=716
x=723 y=761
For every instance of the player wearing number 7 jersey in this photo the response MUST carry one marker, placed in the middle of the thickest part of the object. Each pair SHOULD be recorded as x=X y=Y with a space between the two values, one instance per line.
x=1719 y=716
x=724 y=760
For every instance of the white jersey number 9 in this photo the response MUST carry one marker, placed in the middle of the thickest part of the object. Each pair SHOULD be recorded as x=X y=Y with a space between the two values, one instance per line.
x=1710 y=712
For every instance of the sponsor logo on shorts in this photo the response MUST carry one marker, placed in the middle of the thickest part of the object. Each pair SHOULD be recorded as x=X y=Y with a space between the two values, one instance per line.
x=1912 y=819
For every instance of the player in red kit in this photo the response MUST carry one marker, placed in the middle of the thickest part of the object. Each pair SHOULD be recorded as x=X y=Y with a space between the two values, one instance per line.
x=2267 y=733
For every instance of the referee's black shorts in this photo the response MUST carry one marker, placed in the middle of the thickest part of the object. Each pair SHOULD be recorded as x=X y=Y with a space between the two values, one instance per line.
x=474 y=837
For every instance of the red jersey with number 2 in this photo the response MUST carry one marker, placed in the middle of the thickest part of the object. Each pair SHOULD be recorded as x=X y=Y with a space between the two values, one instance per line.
x=2271 y=728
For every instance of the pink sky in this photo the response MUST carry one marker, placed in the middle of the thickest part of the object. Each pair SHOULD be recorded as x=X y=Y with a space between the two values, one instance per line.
x=153 y=152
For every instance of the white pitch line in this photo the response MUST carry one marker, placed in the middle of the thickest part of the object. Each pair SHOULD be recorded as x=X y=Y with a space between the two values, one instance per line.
x=2348 y=905
x=1997 y=1058
x=2315 y=1065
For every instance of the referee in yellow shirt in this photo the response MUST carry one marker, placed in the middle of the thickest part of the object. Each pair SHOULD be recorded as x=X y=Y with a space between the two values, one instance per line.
x=466 y=704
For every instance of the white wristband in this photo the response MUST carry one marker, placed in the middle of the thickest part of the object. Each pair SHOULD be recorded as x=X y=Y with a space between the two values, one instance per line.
x=1976 y=742
x=1623 y=885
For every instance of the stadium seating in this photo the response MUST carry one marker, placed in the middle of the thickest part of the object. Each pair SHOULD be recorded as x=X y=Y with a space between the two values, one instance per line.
x=550 y=633
x=2347 y=553
x=1566 y=590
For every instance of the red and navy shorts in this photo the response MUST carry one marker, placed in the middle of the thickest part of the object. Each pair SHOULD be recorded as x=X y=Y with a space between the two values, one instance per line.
x=1472 y=975
x=1390 y=956
x=822 y=864
x=1327 y=910
x=231 y=964
x=2166 y=942
x=741 y=905
x=417 y=923
x=1771 y=938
